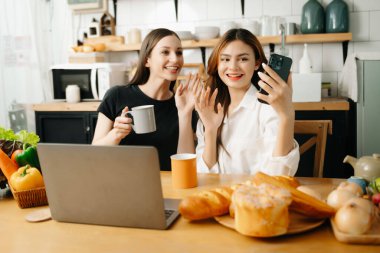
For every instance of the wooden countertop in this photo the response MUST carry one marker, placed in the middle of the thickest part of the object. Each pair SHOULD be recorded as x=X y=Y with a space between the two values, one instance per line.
x=327 y=104
x=17 y=235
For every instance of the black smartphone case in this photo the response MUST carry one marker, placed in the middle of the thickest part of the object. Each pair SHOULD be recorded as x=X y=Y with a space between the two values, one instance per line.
x=281 y=65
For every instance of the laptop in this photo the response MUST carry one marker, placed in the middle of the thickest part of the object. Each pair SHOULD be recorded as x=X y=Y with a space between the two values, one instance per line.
x=106 y=185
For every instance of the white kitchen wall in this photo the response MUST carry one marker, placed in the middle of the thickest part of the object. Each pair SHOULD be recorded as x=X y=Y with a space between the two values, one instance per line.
x=65 y=28
x=327 y=57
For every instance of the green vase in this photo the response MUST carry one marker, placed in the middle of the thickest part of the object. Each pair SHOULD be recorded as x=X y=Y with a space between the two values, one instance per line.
x=313 y=17
x=337 y=17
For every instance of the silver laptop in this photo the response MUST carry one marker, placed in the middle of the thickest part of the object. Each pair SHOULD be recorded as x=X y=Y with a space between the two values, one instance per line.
x=105 y=185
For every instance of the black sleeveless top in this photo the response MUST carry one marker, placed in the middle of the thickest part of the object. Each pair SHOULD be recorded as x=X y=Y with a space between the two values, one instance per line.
x=165 y=138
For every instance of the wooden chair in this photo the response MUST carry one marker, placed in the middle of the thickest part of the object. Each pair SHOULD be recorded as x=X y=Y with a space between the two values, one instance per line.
x=319 y=130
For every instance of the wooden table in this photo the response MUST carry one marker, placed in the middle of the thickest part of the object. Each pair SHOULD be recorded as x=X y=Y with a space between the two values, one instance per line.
x=17 y=235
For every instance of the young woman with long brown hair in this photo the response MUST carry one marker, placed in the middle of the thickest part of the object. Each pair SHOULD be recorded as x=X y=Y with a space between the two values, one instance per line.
x=236 y=133
x=160 y=62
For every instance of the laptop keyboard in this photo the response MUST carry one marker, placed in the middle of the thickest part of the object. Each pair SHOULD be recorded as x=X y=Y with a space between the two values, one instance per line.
x=168 y=213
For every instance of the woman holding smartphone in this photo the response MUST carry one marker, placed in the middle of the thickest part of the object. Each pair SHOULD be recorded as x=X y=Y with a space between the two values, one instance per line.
x=160 y=62
x=236 y=133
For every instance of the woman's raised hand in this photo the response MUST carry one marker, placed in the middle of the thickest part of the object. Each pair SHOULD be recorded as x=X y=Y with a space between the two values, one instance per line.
x=184 y=97
x=279 y=92
x=205 y=104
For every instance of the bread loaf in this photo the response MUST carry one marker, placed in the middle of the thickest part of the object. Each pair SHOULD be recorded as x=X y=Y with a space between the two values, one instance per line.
x=291 y=181
x=261 y=211
x=206 y=204
x=302 y=202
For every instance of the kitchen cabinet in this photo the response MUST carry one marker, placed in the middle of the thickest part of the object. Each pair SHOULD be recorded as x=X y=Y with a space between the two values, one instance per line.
x=66 y=127
x=367 y=107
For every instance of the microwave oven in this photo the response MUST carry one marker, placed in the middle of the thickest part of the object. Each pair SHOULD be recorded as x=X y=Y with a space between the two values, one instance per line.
x=93 y=79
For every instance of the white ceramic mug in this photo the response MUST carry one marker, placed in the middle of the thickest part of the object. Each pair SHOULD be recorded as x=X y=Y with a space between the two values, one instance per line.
x=72 y=93
x=291 y=28
x=143 y=120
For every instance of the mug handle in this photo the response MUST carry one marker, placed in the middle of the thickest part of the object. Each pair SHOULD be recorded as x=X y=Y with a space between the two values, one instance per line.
x=130 y=114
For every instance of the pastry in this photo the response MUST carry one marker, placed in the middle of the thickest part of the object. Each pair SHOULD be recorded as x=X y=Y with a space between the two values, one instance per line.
x=261 y=211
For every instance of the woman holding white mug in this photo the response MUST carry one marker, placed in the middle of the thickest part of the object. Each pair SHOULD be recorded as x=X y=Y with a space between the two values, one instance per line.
x=160 y=62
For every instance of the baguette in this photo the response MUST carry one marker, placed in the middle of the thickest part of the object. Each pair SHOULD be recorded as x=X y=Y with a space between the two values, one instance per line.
x=291 y=181
x=206 y=204
x=302 y=202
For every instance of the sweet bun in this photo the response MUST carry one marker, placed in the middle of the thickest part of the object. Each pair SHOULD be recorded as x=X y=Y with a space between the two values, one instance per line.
x=261 y=211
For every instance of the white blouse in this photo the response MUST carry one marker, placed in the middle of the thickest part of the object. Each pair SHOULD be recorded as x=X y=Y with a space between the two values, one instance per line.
x=249 y=137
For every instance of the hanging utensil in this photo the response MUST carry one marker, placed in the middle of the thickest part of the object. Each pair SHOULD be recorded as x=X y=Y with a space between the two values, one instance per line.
x=176 y=9
x=242 y=7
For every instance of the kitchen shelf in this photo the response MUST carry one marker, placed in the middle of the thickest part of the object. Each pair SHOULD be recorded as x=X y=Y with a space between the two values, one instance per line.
x=344 y=38
x=264 y=40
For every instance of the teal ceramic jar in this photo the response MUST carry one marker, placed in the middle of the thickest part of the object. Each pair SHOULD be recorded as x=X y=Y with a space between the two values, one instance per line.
x=313 y=17
x=337 y=17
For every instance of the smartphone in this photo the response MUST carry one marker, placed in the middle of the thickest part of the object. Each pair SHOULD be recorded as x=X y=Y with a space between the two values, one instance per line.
x=281 y=65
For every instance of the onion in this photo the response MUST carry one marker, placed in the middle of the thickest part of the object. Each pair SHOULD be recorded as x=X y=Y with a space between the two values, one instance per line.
x=337 y=198
x=352 y=187
x=310 y=192
x=352 y=219
x=366 y=204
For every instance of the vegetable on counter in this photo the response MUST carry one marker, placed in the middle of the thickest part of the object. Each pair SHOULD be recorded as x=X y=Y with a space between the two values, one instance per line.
x=27 y=156
x=26 y=178
x=12 y=144
x=7 y=166
x=9 y=141
x=374 y=191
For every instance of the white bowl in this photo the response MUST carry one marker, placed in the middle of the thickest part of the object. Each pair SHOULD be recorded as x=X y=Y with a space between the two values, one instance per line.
x=184 y=35
x=206 y=32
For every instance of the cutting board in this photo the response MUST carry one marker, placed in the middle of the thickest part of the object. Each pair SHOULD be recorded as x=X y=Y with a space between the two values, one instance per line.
x=112 y=42
x=371 y=237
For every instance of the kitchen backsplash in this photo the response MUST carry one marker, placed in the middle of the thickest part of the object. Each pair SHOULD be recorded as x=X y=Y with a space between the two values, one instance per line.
x=326 y=58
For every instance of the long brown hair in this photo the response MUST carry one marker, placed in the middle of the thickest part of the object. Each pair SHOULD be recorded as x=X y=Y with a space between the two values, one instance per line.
x=142 y=72
x=214 y=81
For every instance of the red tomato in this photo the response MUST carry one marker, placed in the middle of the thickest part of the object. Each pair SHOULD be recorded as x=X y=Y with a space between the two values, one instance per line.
x=15 y=153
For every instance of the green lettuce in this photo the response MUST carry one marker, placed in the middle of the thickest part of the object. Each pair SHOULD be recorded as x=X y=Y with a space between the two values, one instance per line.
x=23 y=136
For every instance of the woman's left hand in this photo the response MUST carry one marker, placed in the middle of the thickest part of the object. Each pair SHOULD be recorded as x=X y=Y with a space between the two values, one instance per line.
x=184 y=98
x=279 y=92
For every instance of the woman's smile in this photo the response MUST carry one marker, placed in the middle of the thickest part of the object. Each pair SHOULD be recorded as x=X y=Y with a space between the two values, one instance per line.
x=173 y=69
x=234 y=77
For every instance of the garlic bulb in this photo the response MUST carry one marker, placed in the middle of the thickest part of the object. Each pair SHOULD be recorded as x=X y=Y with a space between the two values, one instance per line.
x=352 y=219
x=352 y=187
x=310 y=192
x=337 y=198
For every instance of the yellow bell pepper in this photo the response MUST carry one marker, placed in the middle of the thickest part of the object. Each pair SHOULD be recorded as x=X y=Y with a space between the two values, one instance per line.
x=26 y=178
